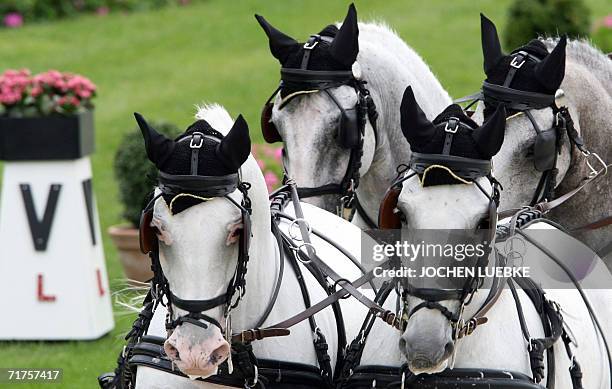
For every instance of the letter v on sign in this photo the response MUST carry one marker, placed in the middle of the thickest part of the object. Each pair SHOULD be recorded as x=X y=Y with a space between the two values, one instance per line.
x=40 y=229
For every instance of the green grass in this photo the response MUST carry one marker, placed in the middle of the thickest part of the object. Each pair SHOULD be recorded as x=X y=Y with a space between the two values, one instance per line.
x=163 y=62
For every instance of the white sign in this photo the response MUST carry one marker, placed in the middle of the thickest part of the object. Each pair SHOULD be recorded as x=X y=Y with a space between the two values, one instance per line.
x=53 y=281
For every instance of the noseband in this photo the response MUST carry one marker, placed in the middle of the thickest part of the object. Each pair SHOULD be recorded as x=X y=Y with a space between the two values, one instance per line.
x=201 y=188
x=351 y=129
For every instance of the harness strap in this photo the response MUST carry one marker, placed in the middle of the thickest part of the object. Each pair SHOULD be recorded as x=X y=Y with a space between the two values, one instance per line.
x=548 y=206
x=582 y=294
x=359 y=209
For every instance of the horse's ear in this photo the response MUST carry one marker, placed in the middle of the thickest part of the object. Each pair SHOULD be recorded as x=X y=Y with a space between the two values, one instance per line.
x=417 y=129
x=551 y=70
x=345 y=46
x=235 y=147
x=490 y=136
x=491 y=48
x=281 y=45
x=158 y=147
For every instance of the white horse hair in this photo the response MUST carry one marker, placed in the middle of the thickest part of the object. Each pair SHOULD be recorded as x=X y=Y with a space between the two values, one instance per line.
x=198 y=265
x=307 y=123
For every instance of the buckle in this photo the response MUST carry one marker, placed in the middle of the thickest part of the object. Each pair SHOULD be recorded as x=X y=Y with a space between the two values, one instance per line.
x=312 y=42
x=455 y=122
x=517 y=61
x=195 y=137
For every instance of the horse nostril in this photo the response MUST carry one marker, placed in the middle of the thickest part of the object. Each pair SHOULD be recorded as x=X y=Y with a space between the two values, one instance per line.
x=172 y=352
x=449 y=348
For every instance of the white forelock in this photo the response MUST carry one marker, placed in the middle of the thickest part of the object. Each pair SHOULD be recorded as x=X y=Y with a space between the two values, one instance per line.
x=216 y=115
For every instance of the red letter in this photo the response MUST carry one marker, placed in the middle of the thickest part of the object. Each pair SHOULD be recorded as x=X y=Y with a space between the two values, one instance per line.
x=100 y=287
x=41 y=294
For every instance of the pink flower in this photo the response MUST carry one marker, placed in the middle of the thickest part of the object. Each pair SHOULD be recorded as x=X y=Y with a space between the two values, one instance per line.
x=271 y=180
x=84 y=94
x=261 y=164
x=607 y=21
x=36 y=91
x=13 y=19
x=278 y=154
x=102 y=11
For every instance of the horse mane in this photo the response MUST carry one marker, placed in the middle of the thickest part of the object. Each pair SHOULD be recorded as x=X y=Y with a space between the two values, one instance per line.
x=380 y=34
x=216 y=115
x=584 y=53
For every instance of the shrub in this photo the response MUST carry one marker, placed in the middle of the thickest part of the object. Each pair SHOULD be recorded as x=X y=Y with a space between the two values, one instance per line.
x=529 y=18
x=134 y=172
x=602 y=34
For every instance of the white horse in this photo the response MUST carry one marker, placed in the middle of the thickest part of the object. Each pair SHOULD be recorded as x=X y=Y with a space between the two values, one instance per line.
x=427 y=344
x=585 y=75
x=198 y=253
x=308 y=123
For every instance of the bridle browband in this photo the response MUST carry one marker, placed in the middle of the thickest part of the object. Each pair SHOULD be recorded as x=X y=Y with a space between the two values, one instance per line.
x=351 y=129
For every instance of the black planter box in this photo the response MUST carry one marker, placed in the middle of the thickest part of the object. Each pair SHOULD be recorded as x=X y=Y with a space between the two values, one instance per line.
x=52 y=137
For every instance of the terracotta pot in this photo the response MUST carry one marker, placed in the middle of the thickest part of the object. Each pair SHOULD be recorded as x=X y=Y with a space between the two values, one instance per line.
x=136 y=265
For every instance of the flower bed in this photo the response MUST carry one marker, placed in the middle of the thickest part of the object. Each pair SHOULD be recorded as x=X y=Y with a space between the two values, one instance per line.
x=25 y=95
x=15 y=13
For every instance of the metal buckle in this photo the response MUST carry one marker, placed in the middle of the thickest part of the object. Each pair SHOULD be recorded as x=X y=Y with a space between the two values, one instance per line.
x=193 y=138
x=456 y=123
x=515 y=61
x=315 y=42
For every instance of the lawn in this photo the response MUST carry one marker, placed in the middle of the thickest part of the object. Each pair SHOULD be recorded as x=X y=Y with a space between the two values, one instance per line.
x=161 y=63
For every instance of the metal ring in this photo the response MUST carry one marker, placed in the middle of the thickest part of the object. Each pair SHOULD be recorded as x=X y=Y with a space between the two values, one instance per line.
x=252 y=384
x=345 y=281
x=299 y=248
x=293 y=223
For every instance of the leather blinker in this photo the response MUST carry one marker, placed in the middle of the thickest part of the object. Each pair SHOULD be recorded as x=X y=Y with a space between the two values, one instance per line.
x=388 y=215
x=268 y=129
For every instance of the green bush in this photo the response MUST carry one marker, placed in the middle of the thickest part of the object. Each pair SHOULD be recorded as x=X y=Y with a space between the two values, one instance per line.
x=602 y=34
x=134 y=172
x=529 y=18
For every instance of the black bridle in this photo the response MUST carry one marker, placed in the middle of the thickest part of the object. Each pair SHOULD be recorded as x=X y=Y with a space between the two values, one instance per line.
x=549 y=141
x=202 y=188
x=353 y=120
x=469 y=170
x=463 y=170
